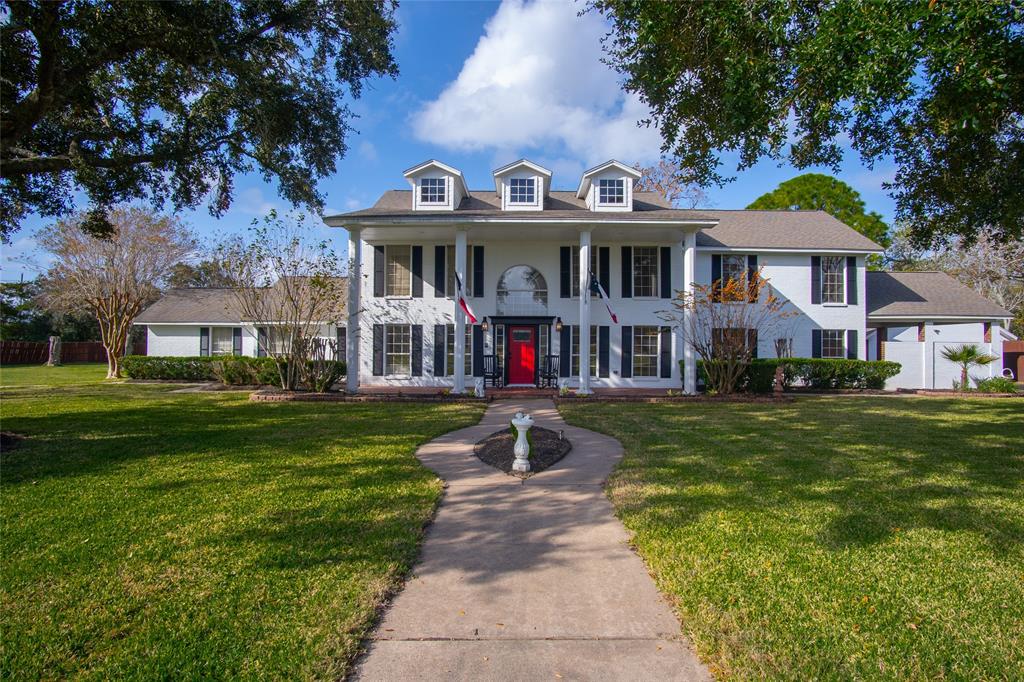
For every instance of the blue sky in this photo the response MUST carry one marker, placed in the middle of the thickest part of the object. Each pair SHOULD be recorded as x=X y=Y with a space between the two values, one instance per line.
x=482 y=84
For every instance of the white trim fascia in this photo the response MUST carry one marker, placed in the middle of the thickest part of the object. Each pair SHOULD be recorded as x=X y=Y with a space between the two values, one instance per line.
x=925 y=318
x=517 y=164
x=447 y=220
x=584 y=186
x=240 y=323
x=781 y=249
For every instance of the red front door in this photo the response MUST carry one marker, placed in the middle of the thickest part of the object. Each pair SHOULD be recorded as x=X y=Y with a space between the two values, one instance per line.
x=522 y=362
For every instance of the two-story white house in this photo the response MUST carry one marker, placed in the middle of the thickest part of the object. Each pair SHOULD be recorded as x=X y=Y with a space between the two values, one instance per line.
x=524 y=253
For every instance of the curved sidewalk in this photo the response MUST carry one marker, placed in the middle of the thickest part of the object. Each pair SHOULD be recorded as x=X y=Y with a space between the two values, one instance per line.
x=527 y=579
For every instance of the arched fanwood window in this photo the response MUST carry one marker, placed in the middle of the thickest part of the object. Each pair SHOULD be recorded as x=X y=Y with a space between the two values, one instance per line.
x=522 y=290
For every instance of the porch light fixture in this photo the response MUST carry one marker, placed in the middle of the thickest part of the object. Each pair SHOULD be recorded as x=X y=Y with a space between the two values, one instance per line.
x=485 y=325
x=558 y=325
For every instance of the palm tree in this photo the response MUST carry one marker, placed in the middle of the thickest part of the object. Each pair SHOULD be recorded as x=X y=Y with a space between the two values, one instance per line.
x=967 y=355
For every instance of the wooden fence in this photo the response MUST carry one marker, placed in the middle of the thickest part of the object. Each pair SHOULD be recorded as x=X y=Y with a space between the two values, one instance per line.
x=37 y=352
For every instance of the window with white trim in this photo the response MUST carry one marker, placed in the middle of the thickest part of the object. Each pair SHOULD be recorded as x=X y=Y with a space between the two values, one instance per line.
x=611 y=191
x=574 y=266
x=575 y=331
x=521 y=191
x=449 y=264
x=645 y=271
x=734 y=267
x=645 y=351
x=397 y=349
x=222 y=341
x=398 y=270
x=432 y=191
x=467 y=359
x=833 y=279
x=832 y=343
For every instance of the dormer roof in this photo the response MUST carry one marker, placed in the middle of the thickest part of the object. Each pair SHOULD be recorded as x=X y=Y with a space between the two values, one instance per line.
x=588 y=175
x=522 y=164
x=421 y=168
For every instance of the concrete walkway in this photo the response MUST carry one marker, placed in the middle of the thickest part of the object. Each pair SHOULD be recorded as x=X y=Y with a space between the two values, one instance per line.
x=527 y=580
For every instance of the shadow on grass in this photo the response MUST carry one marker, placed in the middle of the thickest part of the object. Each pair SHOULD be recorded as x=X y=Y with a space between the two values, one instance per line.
x=872 y=466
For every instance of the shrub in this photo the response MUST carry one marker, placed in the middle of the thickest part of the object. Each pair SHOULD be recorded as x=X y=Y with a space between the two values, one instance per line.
x=997 y=385
x=231 y=370
x=822 y=373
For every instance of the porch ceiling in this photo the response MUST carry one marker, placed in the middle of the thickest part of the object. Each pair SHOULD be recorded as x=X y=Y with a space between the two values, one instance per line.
x=634 y=231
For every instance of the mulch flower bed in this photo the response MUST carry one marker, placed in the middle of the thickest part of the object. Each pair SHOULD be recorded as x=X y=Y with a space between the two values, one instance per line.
x=279 y=396
x=546 y=448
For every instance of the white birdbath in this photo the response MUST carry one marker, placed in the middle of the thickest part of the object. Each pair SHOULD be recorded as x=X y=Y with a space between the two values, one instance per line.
x=522 y=422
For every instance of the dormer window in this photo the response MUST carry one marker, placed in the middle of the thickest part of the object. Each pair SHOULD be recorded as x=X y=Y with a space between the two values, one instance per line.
x=432 y=191
x=611 y=191
x=522 y=191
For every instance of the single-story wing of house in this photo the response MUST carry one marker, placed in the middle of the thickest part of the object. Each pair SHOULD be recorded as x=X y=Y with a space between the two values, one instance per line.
x=449 y=285
x=914 y=316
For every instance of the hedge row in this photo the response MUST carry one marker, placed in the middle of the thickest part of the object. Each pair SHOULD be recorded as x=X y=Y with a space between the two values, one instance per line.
x=821 y=373
x=235 y=370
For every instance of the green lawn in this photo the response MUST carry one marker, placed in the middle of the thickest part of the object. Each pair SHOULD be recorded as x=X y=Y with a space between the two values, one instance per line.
x=149 y=534
x=834 y=537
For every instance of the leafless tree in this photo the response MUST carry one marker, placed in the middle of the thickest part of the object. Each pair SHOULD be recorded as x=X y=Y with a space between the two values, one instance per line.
x=114 y=277
x=665 y=179
x=724 y=322
x=996 y=271
x=290 y=285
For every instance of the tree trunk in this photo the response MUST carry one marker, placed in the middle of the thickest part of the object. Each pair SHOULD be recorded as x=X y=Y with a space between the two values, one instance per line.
x=54 y=358
x=963 y=378
x=113 y=364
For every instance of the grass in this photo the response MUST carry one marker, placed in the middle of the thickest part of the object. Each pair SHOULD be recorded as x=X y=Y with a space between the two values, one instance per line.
x=832 y=537
x=151 y=534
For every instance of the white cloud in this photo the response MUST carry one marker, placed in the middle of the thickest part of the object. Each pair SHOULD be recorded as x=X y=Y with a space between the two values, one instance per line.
x=535 y=82
x=367 y=150
x=251 y=201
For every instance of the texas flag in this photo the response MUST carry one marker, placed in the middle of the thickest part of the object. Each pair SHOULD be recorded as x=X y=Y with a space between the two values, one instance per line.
x=598 y=290
x=463 y=303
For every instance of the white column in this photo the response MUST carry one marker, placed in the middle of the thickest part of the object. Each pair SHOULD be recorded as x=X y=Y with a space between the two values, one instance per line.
x=996 y=349
x=584 y=312
x=929 y=357
x=689 y=275
x=355 y=282
x=678 y=279
x=460 y=317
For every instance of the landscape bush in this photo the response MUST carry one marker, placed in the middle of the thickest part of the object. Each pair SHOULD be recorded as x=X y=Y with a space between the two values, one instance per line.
x=819 y=373
x=231 y=370
x=996 y=385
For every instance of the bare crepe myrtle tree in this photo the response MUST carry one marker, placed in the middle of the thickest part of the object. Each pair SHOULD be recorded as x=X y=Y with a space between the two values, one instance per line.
x=724 y=321
x=113 y=277
x=288 y=284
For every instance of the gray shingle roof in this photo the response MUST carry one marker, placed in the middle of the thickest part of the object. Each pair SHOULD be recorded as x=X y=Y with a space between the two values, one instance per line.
x=207 y=305
x=735 y=229
x=192 y=305
x=924 y=295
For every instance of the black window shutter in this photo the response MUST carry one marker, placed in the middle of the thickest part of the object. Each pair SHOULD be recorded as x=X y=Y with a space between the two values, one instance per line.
x=815 y=343
x=478 y=276
x=602 y=351
x=236 y=340
x=626 y=371
x=665 y=361
x=751 y=271
x=851 y=280
x=378 y=271
x=716 y=275
x=565 y=351
x=341 y=347
x=604 y=261
x=851 y=344
x=261 y=342
x=440 y=271
x=627 y=272
x=417 y=272
x=378 y=350
x=752 y=342
x=478 y=350
x=440 y=337
x=417 y=350
x=816 y=282
x=565 y=272
x=204 y=340
x=666 y=272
